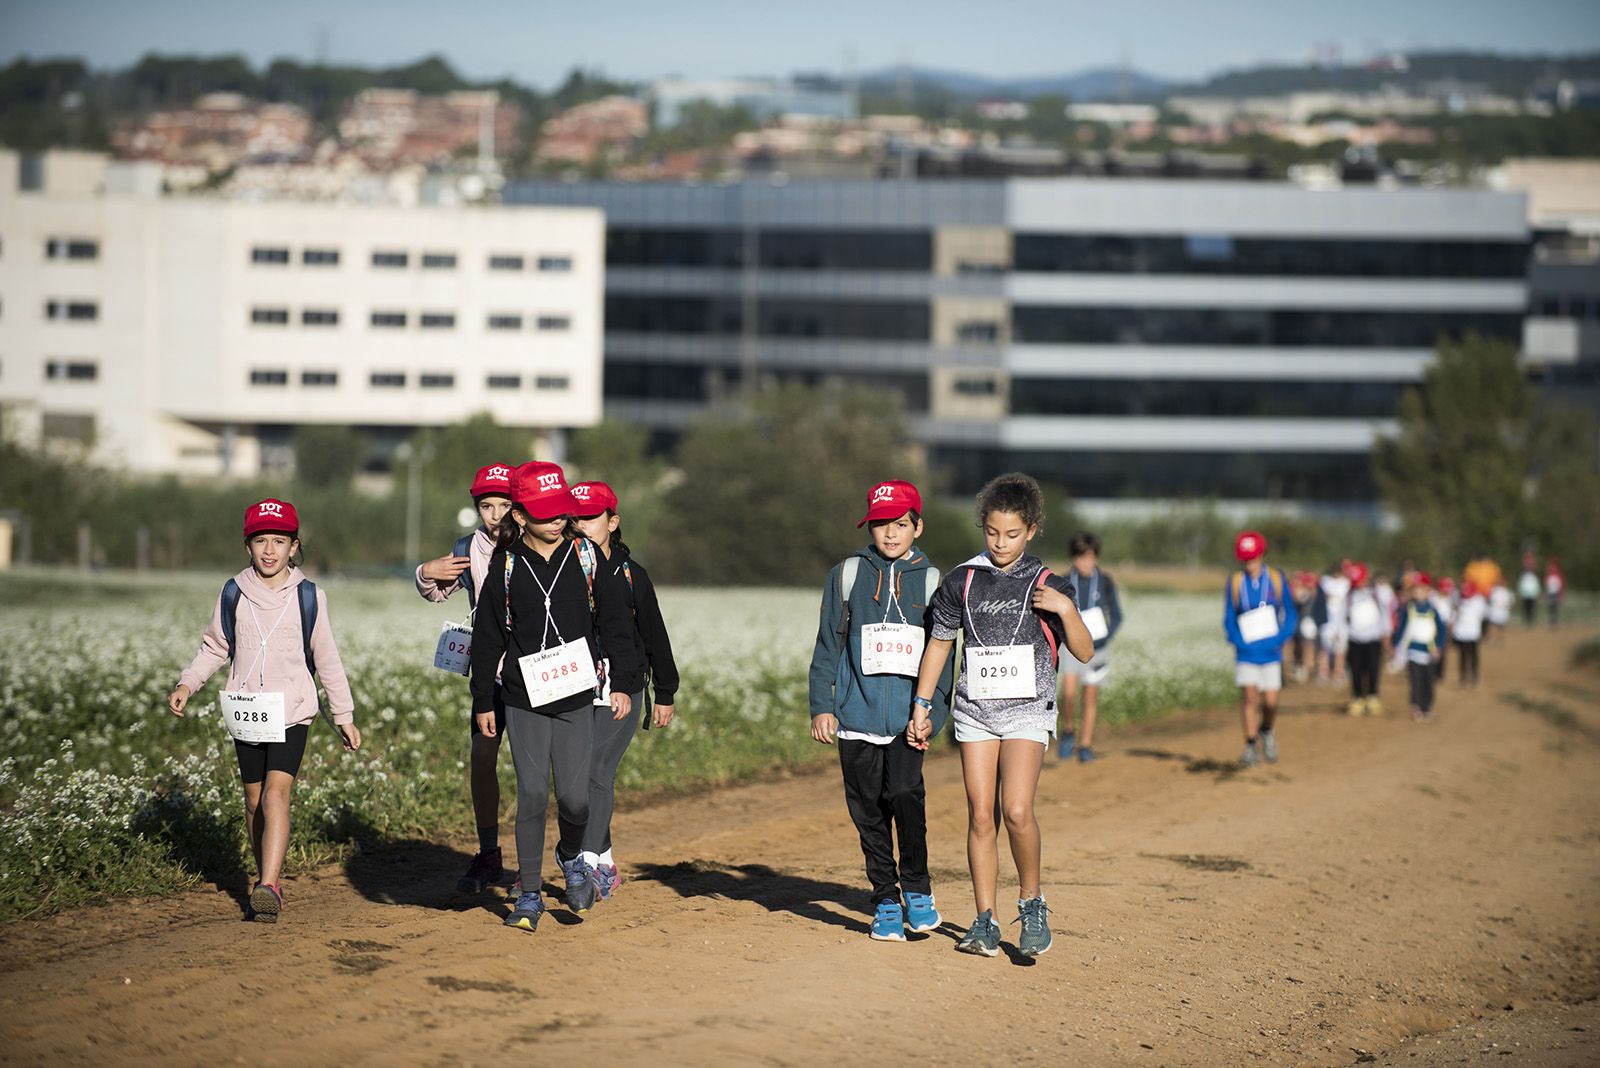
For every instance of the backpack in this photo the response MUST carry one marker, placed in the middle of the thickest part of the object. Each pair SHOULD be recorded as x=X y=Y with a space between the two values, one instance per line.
x=463 y=547
x=308 y=619
x=1049 y=635
x=1275 y=578
x=847 y=582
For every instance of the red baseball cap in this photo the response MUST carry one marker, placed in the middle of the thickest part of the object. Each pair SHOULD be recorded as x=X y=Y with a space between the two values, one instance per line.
x=541 y=490
x=1469 y=588
x=271 y=516
x=492 y=481
x=1357 y=573
x=1249 y=545
x=891 y=500
x=1422 y=578
x=594 y=498
x=1447 y=584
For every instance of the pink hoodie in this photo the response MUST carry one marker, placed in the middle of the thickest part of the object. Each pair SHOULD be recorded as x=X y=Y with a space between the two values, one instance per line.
x=283 y=665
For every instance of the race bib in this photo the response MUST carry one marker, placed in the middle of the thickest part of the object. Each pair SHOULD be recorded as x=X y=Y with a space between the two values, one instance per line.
x=891 y=649
x=1365 y=616
x=1422 y=630
x=253 y=717
x=1095 y=619
x=1308 y=628
x=1001 y=672
x=454 y=651
x=560 y=672
x=1258 y=624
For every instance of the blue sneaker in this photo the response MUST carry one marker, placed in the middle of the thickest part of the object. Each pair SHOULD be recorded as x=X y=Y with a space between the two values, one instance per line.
x=608 y=878
x=583 y=886
x=983 y=937
x=1035 y=940
x=526 y=912
x=1086 y=755
x=889 y=924
x=1064 y=748
x=921 y=916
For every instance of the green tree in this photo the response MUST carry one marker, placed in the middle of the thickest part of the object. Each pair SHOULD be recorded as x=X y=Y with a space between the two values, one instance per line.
x=455 y=452
x=328 y=457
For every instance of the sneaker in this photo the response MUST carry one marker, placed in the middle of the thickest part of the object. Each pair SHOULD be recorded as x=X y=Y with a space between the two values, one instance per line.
x=1034 y=916
x=1248 y=758
x=983 y=937
x=608 y=878
x=921 y=916
x=266 y=901
x=582 y=885
x=1269 y=747
x=1086 y=754
x=526 y=912
x=889 y=924
x=484 y=871
x=1064 y=748
x=1358 y=707
x=1375 y=707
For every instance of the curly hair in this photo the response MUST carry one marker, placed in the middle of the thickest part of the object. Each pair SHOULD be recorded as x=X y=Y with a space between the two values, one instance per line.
x=1016 y=493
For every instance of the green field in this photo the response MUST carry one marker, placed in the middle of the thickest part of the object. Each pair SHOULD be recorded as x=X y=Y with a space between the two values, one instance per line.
x=105 y=793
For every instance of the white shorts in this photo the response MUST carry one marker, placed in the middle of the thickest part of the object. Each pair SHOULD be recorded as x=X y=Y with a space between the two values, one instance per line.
x=1265 y=677
x=966 y=732
x=1335 y=638
x=1091 y=674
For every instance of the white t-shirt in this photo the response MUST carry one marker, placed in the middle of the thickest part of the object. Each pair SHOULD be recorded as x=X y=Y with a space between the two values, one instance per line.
x=1335 y=588
x=1469 y=619
x=1528 y=585
x=1553 y=584
x=1499 y=606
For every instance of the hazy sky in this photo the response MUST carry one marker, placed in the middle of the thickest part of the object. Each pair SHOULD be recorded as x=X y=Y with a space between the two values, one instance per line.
x=536 y=41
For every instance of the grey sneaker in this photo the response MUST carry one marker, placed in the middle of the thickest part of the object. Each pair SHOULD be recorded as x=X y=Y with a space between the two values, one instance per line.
x=582 y=884
x=525 y=914
x=1269 y=747
x=1034 y=917
x=983 y=937
x=1249 y=758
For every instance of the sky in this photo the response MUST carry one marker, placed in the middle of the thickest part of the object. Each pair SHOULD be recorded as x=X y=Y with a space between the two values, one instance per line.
x=537 y=42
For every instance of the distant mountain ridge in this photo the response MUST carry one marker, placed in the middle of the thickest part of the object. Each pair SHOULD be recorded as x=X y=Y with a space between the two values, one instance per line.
x=1095 y=83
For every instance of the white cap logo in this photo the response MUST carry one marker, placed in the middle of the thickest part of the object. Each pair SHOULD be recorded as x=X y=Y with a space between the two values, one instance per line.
x=549 y=482
x=882 y=493
x=581 y=492
x=499 y=474
x=272 y=508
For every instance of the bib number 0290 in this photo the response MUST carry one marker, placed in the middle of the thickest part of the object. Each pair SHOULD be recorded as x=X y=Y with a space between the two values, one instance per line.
x=1001 y=673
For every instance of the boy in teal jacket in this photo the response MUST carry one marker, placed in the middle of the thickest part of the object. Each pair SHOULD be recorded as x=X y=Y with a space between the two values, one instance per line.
x=863 y=678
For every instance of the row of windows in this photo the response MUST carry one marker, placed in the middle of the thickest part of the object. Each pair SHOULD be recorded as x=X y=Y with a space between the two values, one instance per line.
x=279 y=256
x=503 y=321
x=864 y=320
x=1268 y=257
x=1205 y=397
x=78 y=311
x=641 y=380
x=71 y=248
x=1569 y=306
x=805 y=250
x=399 y=380
x=1252 y=326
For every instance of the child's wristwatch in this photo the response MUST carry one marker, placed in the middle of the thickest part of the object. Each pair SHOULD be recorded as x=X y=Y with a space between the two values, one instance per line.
x=922 y=702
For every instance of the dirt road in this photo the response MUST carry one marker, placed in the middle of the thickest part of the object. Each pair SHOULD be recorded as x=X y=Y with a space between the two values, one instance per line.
x=1389 y=893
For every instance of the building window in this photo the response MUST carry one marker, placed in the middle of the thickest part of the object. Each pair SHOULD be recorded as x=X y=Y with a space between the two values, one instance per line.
x=269 y=378
x=78 y=311
x=555 y=263
x=59 y=426
x=978 y=332
x=438 y=381
x=265 y=254
x=71 y=371
x=554 y=322
x=390 y=259
x=319 y=317
x=975 y=387
x=319 y=378
x=551 y=382
x=320 y=257
x=387 y=380
x=65 y=248
x=505 y=263
x=505 y=381
x=269 y=316
x=505 y=322
x=438 y=320
x=388 y=319
x=439 y=261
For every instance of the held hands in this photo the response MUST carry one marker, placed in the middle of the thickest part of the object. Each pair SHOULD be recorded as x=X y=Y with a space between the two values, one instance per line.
x=824 y=728
x=621 y=705
x=445 y=568
x=178 y=699
x=920 y=729
x=663 y=715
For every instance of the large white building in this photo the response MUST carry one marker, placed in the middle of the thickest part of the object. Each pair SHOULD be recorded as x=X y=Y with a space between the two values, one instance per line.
x=191 y=335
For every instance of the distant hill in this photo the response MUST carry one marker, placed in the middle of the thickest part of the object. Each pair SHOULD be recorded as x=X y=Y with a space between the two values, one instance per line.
x=1512 y=75
x=1099 y=83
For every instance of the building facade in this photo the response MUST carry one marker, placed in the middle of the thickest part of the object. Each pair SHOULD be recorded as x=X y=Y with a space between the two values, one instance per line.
x=1122 y=338
x=191 y=335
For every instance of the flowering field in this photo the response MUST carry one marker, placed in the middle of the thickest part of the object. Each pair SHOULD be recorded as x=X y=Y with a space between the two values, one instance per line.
x=103 y=792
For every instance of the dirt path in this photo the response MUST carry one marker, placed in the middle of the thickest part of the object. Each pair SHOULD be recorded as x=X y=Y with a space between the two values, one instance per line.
x=1430 y=894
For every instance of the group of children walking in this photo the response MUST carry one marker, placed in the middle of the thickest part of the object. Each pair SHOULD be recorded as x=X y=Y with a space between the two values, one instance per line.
x=565 y=631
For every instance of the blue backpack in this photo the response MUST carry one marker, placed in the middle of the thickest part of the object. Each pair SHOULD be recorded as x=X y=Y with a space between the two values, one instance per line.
x=463 y=547
x=308 y=619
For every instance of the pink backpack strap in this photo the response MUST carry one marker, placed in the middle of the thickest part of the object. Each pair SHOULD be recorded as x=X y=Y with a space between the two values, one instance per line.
x=1049 y=635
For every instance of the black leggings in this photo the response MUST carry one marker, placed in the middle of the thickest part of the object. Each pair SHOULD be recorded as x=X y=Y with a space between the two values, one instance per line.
x=1469 y=660
x=1421 y=685
x=1365 y=660
x=258 y=758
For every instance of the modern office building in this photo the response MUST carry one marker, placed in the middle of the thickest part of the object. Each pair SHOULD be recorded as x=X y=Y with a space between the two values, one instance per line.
x=192 y=335
x=1122 y=338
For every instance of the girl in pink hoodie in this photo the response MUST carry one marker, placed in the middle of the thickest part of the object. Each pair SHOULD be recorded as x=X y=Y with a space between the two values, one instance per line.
x=271 y=698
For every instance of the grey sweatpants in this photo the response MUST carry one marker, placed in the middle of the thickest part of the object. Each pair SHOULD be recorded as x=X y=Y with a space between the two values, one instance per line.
x=540 y=743
x=611 y=739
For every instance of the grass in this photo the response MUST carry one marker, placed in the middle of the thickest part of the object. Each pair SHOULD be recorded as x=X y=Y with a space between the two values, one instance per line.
x=103 y=793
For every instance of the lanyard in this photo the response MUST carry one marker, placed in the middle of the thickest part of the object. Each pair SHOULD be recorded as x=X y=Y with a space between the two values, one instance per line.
x=1094 y=589
x=549 y=621
x=894 y=600
x=261 y=653
x=1260 y=589
x=973 y=627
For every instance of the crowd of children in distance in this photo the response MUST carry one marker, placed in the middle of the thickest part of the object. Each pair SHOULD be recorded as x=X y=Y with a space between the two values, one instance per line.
x=566 y=633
